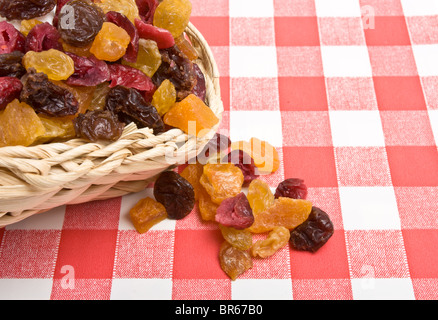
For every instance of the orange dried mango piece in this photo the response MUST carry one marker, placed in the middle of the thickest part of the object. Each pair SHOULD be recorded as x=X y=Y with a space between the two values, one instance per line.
x=19 y=125
x=285 y=212
x=146 y=213
x=265 y=156
x=192 y=116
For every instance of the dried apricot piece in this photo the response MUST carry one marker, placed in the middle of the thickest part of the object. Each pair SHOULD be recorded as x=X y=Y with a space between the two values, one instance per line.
x=221 y=181
x=146 y=213
x=192 y=173
x=186 y=47
x=19 y=125
x=277 y=238
x=260 y=196
x=192 y=116
x=111 y=42
x=234 y=261
x=207 y=208
x=285 y=212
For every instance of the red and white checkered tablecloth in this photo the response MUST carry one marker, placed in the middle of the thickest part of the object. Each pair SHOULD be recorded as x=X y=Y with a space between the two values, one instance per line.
x=349 y=100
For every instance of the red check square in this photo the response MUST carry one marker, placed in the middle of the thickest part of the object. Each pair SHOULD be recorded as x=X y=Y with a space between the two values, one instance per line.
x=216 y=30
x=252 y=31
x=296 y=31
x=322 y=289
x=420 y=245
x=422 y=168
x=351 y=93
x=315 y=165
x=201 y=289
x=399 y=93
x=384 y=8
x=321 y=265
x=430 y=93
x=81 y=249
x=341 y=31
x=197 y=255
x=388 y=31
x=423 y=30
x=294 y=8
x=299 y=62
x=81 y=289
x=302 y=94
x=392 y=61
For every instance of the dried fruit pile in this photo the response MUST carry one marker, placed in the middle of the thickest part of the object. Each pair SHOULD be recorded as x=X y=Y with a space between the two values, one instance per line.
x=224 y=183
x=97 y=67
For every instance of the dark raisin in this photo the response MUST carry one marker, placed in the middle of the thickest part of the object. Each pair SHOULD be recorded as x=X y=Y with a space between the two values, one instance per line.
x=199 y=89
x=175 y=193
x=313 y=233
x=98 y=125
x=10 y=89
x=128 y=104
x=10 y=38
x=42 y=37
x=88 y=71
x=291 y=188
x=10 y=64
x=245 y=163
x=235 y=212
x=178 y=69
x=25 y=9
x=46 y=97
x=122 y=21
x=79 y=22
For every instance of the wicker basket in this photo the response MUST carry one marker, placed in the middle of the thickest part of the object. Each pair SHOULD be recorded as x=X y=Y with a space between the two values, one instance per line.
x=38 y=178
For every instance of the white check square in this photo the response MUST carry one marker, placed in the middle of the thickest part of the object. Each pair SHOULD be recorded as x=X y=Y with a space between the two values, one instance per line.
x=273 y=289
x=141 y=289
x=426 y=59
x=253 y=61
x=251 y=8
x=419 y=7
x=382 y=289
x=337 y=8
x=264 y=125
x=369 y=208
x=26 y=289
x=346 y=61
x=360 y=128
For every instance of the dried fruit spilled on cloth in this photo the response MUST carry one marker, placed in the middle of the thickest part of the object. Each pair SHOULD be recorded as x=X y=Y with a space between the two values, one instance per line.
x=313 y=233
x=285 y=212
x=238 y=238
x=146 y=213
x=291 y=188
x=175 y=193
x=221 y=181
x=233 y=261
x=235 y=212
x=277 y=239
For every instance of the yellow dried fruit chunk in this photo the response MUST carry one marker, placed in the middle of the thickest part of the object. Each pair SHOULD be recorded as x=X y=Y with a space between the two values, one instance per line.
x=54 y=63
x=285 y=212
x=148 y=57
x=19 y=125
x=276 y=240
x=127 y=7
x=164 y=97
x=27 y=25
x=173 y=15
x=260 y=196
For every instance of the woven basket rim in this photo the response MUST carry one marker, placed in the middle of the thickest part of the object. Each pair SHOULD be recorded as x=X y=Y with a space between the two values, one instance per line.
x=38 y=178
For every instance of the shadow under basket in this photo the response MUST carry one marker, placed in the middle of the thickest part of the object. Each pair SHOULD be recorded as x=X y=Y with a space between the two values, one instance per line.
x=39 y=178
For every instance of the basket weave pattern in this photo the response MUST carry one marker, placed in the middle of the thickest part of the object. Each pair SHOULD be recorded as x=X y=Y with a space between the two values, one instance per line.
x=39 y=178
